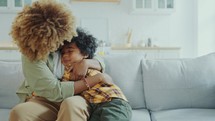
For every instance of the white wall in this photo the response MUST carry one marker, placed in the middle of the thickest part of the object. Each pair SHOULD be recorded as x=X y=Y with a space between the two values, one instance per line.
x=177 y=29
x=206 y=26
x=5 y=26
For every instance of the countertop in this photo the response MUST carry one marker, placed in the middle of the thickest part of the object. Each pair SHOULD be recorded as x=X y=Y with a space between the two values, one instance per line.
x=7 y=45
x=145 y=48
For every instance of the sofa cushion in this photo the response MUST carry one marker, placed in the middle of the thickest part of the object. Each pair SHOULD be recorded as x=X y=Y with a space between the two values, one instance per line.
x=4 y=114
x=184 y=115
x=126 y=73
x=140 y=115
x=180 y=83
x=10 y=79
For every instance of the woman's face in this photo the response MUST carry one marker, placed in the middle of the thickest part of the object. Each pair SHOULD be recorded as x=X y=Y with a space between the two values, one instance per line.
x=71 y=54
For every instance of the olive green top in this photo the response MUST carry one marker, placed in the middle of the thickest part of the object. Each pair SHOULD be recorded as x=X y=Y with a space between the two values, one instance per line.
x=40 y=79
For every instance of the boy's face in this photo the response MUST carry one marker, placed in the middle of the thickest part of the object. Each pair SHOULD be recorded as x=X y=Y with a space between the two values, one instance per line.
x=71 y=54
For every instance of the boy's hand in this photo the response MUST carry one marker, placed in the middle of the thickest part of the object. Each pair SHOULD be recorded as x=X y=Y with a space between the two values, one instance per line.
x=72 y=77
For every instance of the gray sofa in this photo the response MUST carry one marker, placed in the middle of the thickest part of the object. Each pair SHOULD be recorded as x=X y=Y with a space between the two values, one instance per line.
x=158 y=90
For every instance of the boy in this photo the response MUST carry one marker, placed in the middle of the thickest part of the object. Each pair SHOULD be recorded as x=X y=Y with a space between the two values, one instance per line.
x=107 y=102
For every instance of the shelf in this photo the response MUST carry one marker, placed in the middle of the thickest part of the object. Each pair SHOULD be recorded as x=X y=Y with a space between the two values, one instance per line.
x=145 y=48
x=8 y=48
x=149 y=52
x=7 y=45
x=95 y=0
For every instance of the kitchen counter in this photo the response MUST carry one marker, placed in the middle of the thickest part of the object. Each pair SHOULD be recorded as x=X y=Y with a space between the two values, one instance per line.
x=7 y=45
x=8 y=48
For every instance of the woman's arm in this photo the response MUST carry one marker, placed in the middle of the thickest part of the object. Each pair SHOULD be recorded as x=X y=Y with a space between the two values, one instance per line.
x=40 y=79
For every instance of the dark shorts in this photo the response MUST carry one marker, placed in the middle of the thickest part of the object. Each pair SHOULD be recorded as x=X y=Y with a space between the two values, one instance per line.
x=115 y=110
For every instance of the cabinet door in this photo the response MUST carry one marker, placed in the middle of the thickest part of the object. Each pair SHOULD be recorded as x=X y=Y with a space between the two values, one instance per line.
x=153 y=6
x=3 y=5
x=142 y=6
x=12 y=6
x=165 y=6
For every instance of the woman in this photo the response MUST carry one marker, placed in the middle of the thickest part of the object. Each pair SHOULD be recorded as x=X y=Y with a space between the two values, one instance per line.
x=39 y=30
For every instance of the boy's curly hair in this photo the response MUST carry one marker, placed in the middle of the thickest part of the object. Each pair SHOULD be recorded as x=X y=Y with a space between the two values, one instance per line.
x=86 y=43
x=42 y=27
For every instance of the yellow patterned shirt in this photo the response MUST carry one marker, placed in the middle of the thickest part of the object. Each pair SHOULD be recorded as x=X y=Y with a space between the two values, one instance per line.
x=101 y=92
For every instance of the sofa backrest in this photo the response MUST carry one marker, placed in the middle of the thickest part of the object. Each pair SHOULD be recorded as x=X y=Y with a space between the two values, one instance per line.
x=181 y=83
x=125 y=70
x=126 y=73
x=10 y=79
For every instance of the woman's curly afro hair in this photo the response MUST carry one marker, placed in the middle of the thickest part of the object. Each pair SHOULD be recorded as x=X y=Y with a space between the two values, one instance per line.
x=42 y=27
x=86 y=43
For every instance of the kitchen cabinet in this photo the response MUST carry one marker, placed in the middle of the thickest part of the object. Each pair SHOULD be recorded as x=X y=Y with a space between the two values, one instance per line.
x=12 y=6
x=96 y=0
x=153 y=6
x=148 y=52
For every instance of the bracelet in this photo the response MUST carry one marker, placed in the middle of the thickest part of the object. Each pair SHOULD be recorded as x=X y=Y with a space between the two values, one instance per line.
x=86 y=83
